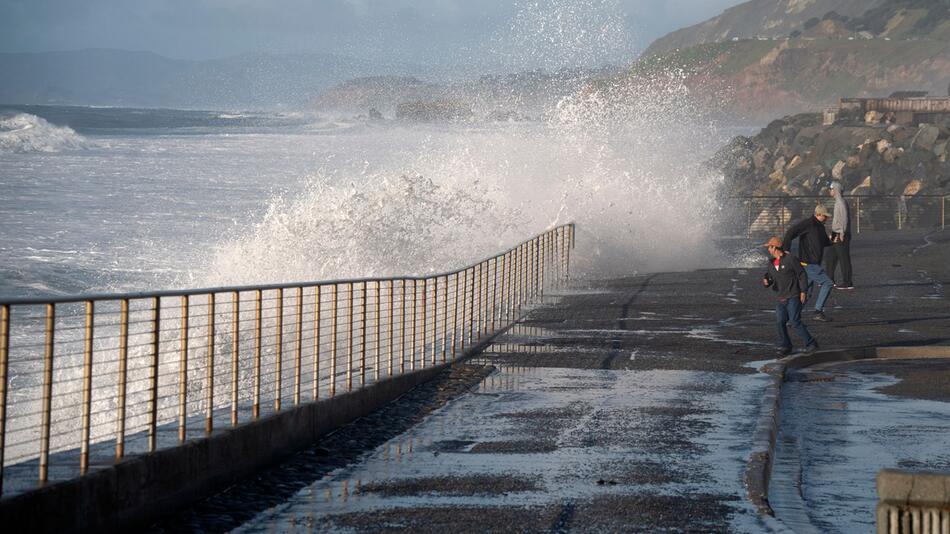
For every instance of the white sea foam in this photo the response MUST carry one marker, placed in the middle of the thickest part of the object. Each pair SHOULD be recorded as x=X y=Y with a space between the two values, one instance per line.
x=24 y=133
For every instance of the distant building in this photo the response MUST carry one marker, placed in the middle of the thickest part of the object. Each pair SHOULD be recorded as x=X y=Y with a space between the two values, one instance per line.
x=902 y=107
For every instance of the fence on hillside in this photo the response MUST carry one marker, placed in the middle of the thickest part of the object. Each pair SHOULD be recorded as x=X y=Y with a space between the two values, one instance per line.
x=91 y=379
x=773 y=214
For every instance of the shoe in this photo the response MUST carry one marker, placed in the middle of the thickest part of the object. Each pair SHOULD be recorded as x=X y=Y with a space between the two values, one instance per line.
x=820 y=316
x=810 y=348
x=785 y=351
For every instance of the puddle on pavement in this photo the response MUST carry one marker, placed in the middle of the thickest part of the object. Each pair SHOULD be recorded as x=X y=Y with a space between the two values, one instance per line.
x=837 y=432
x=565 y=434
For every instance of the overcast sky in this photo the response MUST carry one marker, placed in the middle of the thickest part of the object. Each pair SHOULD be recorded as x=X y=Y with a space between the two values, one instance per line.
x=549 y=32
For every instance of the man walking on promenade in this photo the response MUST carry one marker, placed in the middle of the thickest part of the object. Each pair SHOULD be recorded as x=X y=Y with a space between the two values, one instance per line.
x=786 y=277
x=840 y=240
x=812 y=240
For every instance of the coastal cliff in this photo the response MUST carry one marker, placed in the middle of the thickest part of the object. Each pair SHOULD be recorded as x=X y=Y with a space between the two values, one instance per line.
x=748 y=63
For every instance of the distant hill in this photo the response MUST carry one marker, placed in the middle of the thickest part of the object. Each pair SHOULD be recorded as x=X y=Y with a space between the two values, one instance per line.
x=807 y=54
x=143 y=79
x=757 y=18
x=495 y=97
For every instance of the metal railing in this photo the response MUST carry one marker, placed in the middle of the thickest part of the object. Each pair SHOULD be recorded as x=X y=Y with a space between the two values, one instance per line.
x=912 y=502
x=773 y=214
x=90 y=379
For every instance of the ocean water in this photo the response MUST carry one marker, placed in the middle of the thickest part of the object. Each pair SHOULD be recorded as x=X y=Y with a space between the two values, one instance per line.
x=110 y=199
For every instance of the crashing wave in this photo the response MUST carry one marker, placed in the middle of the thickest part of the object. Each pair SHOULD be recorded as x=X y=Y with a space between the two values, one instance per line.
x=24 y=133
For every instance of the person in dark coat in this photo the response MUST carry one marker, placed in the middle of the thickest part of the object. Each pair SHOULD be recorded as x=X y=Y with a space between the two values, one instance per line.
x=812 y=240
x=786 y=277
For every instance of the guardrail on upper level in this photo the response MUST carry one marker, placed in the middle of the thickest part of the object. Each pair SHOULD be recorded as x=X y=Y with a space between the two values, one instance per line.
x=913 y=503
x=90 y=379
x=772 y=214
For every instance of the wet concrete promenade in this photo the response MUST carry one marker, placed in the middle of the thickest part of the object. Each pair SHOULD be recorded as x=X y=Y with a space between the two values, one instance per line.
x=625 y=405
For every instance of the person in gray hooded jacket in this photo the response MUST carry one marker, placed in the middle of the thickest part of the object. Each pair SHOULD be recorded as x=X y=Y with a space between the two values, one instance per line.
x=840 y=251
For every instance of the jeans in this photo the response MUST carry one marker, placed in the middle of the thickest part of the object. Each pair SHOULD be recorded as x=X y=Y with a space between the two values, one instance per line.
x=790 y=311
x=817 y=275
x=840 y=253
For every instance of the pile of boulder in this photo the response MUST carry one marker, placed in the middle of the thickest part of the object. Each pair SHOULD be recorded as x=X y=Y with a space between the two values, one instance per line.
x=798 y=155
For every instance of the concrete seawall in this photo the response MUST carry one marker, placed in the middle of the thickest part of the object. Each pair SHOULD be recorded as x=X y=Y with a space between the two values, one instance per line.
x=759 y=470
x=136 y=490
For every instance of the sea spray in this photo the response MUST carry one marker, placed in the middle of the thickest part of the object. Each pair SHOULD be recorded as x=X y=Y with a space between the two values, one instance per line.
x=627 y=170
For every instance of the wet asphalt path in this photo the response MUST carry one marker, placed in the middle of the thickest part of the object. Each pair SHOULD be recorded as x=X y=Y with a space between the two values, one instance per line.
x=623 y=406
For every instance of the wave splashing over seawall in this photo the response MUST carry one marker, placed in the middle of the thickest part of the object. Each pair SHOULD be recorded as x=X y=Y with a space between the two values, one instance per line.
x=621 y=157
x=25 y=133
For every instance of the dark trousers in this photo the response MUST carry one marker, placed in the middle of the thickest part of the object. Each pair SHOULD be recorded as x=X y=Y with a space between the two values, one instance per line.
x=839 y=253
x=790 y=311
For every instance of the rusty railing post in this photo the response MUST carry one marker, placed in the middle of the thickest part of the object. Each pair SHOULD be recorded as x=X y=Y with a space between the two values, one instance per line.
x=235 y=346
x=123 y=378
x=392 y=326
x=435 y=316
x=425 y=320
x=153 y=386
x=334 y=319
x=258 y=316
x=413 y=325
x=483 y=299
x=4 y=363
x=209 y=374
x=298 y=348
x=349 y=338
x=379 y=326
x=471 y=309
x=858 y=216
x=317 y=293
x=183 y=374
x=899 y=210
x=402 y=328
x=279 y=349
x=445 y=319
x=363 y=334
x=47 y=392
x=86 y=388
x=455 y=316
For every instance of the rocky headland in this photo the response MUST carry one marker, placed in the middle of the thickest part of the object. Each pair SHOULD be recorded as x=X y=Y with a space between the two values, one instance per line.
x=798 y=155
x=748 y=62
x=510 y=97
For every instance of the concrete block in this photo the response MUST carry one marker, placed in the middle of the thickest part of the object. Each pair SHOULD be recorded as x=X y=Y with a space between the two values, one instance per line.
x=916 y=489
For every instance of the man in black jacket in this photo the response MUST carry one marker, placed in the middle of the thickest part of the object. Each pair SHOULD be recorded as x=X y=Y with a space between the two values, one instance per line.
x=786 y=277
x=812 y=240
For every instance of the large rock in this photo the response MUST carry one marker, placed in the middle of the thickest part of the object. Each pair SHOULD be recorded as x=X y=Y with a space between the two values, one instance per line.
x=926 y=137
x=940 y=150
x=891 y=154
x=863 y=187
x=837 y=170
x=912 y=188
x=777 y=179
